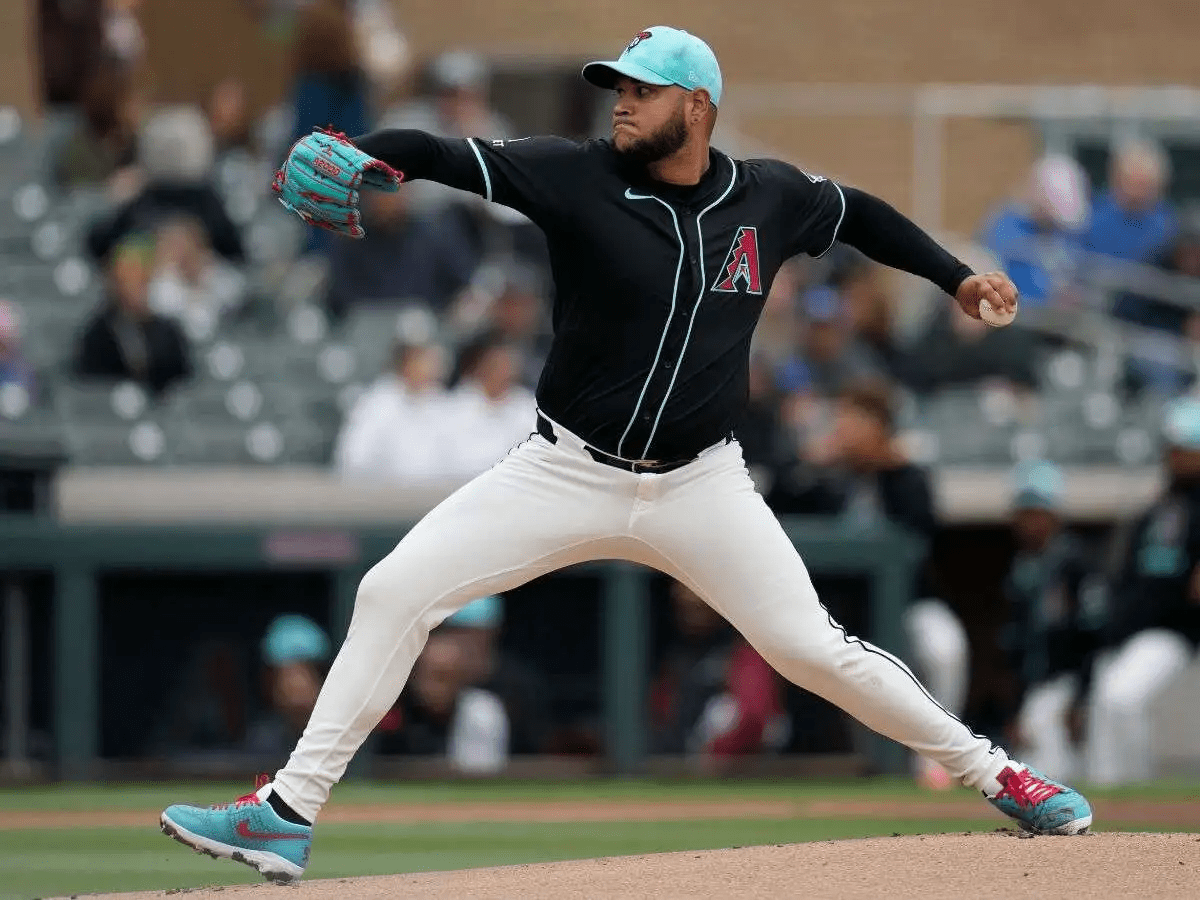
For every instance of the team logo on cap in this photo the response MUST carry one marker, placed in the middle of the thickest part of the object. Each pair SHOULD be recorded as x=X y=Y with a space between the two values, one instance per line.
x=637 y=39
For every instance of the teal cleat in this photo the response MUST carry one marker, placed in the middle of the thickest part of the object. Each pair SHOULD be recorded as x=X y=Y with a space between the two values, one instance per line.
x=1039 y=805
x=247 y=831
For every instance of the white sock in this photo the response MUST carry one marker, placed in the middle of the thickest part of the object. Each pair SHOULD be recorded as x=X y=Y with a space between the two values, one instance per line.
x=991 y=785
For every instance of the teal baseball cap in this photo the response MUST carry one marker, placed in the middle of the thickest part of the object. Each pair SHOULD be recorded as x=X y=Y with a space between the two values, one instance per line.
x=486 y=612
x=662 y=55
x=294 y=638
x=1181 y=423
x=1038 y=484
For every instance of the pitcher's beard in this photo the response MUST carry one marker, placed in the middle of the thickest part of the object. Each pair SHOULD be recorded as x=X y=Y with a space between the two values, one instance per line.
x=668 y=140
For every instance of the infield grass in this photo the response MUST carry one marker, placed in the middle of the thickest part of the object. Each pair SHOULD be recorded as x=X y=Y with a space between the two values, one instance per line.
x=41 y=862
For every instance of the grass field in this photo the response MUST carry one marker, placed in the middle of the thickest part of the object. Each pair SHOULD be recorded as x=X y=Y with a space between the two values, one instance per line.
x=62 y=860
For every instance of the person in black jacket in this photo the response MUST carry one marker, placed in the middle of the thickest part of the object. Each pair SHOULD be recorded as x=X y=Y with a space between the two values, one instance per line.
x=1056 y=602
x=1155 y=625
x=124 y=339
x=859 y=473
x=175 y=153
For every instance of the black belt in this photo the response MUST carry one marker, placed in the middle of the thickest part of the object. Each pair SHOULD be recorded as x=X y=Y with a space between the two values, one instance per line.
x=546 y=429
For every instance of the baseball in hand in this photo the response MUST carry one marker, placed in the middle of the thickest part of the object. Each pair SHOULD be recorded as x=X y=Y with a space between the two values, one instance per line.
x=996 y=319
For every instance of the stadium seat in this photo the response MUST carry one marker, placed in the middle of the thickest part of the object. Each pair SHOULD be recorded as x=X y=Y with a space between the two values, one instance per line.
x=141 y=443
x=100 y=402
x=210 y=444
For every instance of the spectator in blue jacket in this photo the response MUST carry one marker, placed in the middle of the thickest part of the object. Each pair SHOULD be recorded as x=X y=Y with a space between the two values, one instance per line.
x=1037 y=238
x=1132 y=220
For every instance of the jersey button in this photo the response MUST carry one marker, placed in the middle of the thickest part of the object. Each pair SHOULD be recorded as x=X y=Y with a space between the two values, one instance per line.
x=668 y=364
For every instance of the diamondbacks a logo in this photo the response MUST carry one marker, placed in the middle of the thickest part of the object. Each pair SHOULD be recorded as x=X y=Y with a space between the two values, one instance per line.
x=637 y=39
x=741 y=263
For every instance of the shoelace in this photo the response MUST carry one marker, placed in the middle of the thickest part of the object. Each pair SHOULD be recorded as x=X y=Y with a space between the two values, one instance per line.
x=262 y=778
x=1025 y=788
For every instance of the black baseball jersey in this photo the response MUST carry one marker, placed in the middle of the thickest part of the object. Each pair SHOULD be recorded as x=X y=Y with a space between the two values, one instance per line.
x=658 y=287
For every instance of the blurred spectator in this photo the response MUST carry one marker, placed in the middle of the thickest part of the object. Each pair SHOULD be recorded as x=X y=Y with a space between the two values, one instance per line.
x=1155 y=612
x=404 y=257
x=229 y=118
x=383 y=48
x=329 y=88
x=458 y=104
x=208 y=704
x=1037 y=238
x=14 y=370
x=521 y=689
x=398 y=429
x=764 y=441
x=1056 y=608
x=506 y=302
x=861 y=285
x=778 y=333
x=958 y=350
x=713 y=694
x=175 y=152
x=833 y=356
x=190 y=283
x=1161 y=360
x=123 y=37
x=105 y=143
x=125 y=339
x=858 y=473
x=1132 y=220
x=294 y=653
x=71 y=44
x=490 y=412
x=439 y=714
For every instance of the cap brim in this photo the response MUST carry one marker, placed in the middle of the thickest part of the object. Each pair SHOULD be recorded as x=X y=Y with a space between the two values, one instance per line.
x=605 y=74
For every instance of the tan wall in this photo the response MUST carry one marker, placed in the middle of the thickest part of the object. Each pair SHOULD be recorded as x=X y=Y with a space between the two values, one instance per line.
x=193 y=42
x=872 y=41
x=1025 y=41
x=906 y=41
x=18 y=55
x=984 y=160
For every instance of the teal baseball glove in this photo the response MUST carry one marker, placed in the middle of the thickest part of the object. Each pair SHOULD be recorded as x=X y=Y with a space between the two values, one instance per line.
x=321 y=177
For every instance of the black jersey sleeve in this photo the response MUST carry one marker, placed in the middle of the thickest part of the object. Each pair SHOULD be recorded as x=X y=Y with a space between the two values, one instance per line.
x=889 y=237
x=813 y=209
x=530 y=175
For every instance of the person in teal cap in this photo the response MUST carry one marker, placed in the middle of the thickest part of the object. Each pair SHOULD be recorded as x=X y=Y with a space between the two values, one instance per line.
x=521 y=688
x=1156 y=612
x=294 y=652
x=1056 y=606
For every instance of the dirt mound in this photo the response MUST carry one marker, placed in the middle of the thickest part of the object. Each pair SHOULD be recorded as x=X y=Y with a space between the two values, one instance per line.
x=929 y=867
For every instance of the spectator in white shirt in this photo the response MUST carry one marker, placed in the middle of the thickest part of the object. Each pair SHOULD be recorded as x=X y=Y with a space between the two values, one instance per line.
x=397 y=431
x=491 y=411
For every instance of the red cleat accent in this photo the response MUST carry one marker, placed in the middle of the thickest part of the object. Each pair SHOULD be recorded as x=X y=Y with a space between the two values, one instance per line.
x=1025 y=788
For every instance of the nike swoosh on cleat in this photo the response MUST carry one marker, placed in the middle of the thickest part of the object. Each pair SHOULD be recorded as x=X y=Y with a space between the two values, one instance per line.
x=244 y=830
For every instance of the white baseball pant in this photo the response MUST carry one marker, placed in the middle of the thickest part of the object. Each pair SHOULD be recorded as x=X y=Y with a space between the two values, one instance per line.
x=549 y=505
x=1120 y=739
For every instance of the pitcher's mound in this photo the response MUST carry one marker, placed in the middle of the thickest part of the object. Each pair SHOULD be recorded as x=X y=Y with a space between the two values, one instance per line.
x=930 y=867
